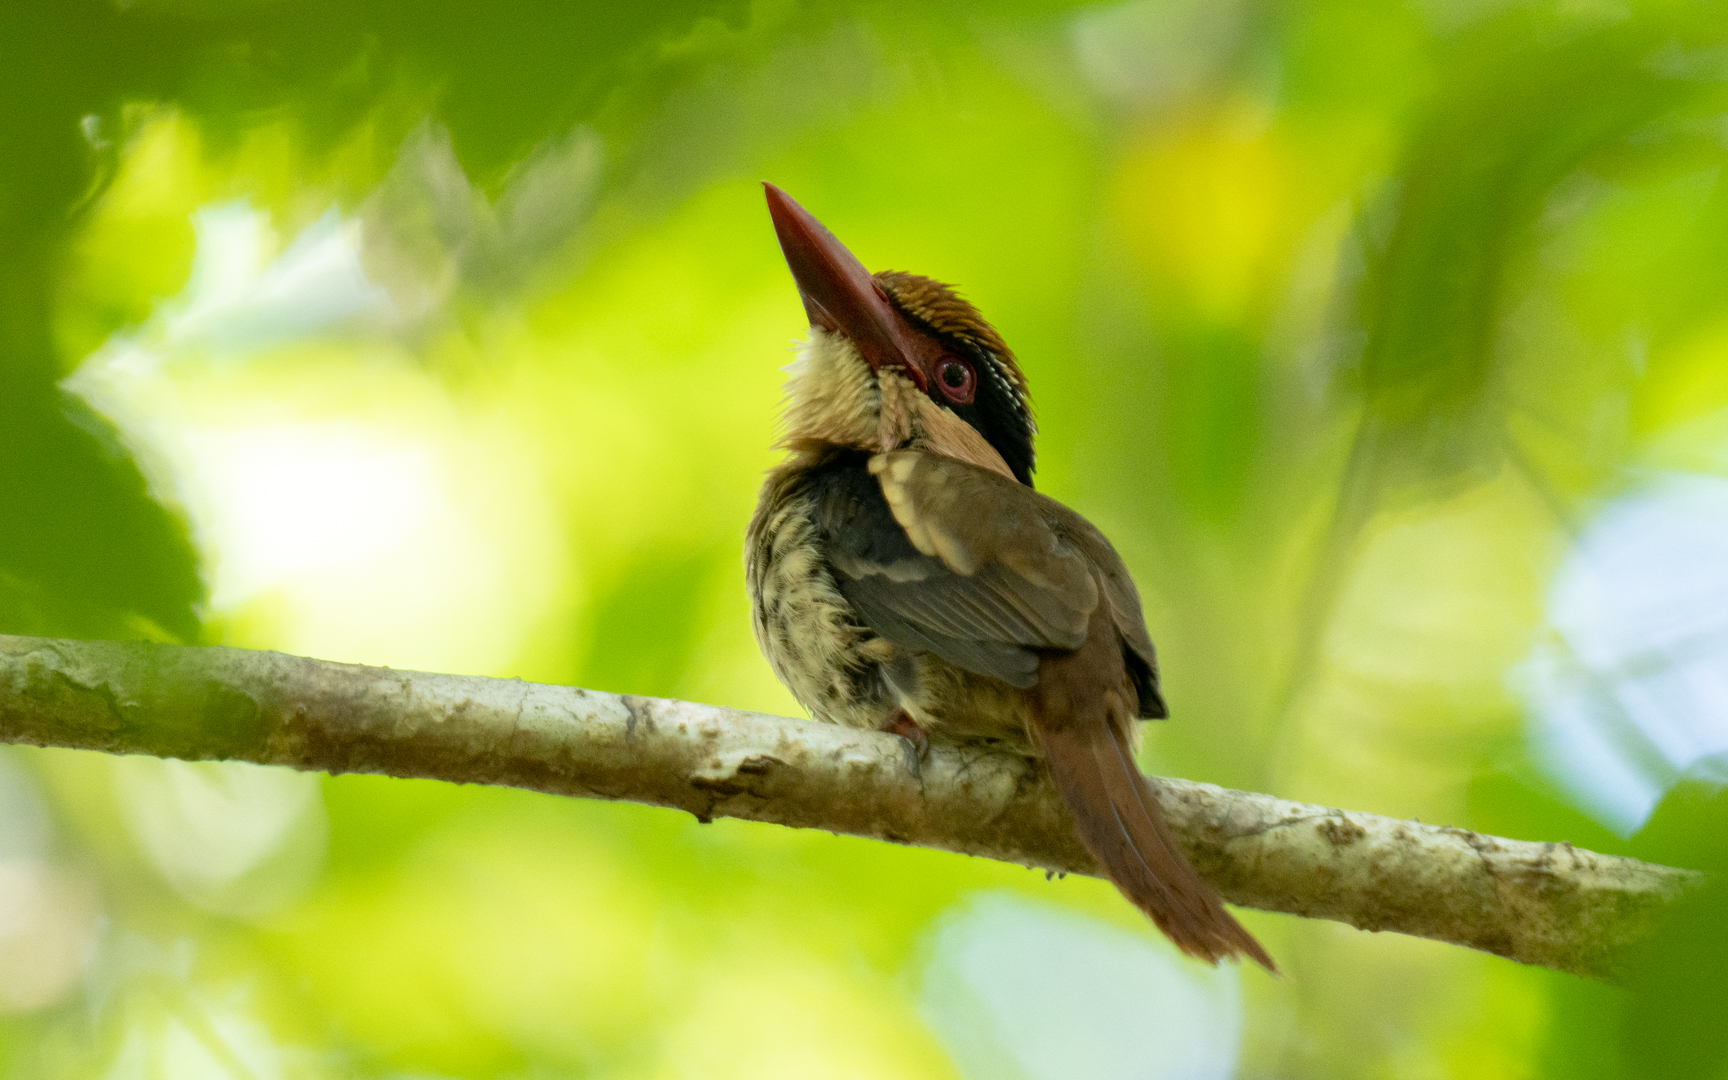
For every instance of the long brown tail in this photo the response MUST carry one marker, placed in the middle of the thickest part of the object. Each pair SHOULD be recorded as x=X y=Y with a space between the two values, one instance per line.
x=1081 y=719
x=1121 y=825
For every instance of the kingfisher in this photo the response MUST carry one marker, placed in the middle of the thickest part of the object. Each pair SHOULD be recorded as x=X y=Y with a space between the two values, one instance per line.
x=905 y=576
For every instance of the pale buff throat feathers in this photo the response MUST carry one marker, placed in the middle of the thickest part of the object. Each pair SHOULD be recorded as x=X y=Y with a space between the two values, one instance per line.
x=832 y=396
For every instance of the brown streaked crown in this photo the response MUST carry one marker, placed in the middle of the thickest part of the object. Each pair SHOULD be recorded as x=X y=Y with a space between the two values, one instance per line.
x=1002 y=409
x=945 y=311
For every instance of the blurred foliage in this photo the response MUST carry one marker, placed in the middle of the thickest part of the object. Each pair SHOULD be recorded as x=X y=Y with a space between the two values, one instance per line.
x=444 y=335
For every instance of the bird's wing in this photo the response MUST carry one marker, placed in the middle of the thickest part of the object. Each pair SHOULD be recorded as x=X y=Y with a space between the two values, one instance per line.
x=943 y=556
x=1125 y=612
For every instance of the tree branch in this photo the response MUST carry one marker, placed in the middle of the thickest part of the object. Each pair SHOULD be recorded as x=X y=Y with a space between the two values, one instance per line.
x=1548 y=904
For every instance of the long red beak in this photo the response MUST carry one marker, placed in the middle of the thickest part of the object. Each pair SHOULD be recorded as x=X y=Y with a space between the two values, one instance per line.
x=839 y=294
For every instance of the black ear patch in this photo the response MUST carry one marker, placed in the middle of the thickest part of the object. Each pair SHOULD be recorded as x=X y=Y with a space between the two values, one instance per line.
x=998 y=412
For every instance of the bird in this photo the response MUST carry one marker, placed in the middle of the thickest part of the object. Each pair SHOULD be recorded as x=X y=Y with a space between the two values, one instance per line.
x=905 y=576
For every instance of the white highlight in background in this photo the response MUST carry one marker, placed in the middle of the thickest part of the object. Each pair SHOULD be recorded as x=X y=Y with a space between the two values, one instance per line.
x=1631 y=692
x=1021 y=991
x=357 y=513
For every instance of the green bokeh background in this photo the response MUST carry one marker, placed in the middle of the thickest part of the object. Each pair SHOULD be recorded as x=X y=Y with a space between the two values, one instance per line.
x=1341 y=319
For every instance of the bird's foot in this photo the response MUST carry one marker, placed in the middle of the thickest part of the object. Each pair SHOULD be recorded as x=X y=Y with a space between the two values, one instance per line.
x=900 y=723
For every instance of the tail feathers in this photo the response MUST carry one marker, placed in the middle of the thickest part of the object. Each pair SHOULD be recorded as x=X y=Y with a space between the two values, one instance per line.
x=1122 y=826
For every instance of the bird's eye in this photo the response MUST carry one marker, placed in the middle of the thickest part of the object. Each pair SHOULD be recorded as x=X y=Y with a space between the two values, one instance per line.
x=956 y=376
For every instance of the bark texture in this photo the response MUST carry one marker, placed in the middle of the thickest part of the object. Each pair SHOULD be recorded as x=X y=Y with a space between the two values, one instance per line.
x=1538 y=903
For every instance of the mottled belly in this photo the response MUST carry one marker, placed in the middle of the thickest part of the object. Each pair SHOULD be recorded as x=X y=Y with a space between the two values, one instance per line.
x=840 y=670
x=808 y=631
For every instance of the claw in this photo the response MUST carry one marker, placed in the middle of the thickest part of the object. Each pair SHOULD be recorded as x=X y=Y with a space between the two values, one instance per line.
x=901 y=724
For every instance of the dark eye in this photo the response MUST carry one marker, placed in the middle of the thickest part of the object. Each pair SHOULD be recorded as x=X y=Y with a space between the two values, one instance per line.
x=956 y=376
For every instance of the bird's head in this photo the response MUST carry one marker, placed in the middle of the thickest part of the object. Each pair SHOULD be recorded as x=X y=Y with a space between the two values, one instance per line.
x=896 y=360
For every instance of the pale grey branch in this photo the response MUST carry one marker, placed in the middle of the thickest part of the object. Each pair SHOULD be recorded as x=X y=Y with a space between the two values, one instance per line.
x=1548 y=904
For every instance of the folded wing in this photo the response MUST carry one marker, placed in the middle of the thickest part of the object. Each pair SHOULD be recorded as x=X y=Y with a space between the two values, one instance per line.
x=949 y=558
